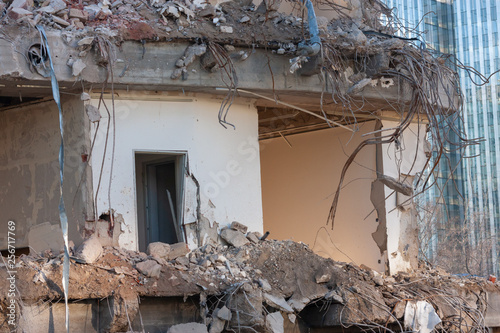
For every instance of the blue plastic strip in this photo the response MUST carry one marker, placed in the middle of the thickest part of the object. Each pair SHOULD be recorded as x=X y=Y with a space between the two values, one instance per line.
x=62 y=210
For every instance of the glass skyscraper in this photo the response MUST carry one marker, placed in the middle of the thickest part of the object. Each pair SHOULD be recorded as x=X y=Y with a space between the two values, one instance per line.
x=467 y=30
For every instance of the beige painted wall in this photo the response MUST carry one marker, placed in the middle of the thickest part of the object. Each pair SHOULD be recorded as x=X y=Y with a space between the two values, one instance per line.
x=298 y=186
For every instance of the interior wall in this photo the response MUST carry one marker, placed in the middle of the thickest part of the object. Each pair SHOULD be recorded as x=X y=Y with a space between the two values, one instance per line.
x=298 y=186
x=224 y=162
x=29 y=168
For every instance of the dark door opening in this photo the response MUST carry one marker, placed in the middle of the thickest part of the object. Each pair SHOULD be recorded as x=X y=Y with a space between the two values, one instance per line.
x=159 y=198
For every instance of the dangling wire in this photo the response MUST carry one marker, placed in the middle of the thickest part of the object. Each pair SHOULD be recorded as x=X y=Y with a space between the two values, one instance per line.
x=62 y=210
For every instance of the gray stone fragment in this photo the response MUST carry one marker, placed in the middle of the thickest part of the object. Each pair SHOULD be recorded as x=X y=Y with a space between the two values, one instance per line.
x=57 y=5
x=24 y=4
x=334 y=296
x=177 y=73
x=188 y=328
x=322 y=277
x=278 y=302
x=217 y=325
x=239 y=227
x=253 y=238
x=177 y=250
x=93 y=113
x=265 y=285
x=149 y=268
x=233 y=237
x=89 y=251
x=275 y=322
x=192 y=52
x=78 y=66
x=399 y=309
x=158 y=250
x=208 y=11
x=86 y=41
x=224 y=313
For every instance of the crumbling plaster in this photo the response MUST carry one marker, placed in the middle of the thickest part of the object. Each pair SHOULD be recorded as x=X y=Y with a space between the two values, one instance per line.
x=403 y=160
x=29 y=167
x=224 y=162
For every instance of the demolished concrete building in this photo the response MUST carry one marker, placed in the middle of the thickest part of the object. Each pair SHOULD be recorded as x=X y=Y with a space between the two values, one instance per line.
x=180 y=118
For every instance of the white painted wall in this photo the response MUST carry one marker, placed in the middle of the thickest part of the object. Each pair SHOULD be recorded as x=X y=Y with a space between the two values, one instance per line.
x=402 y=230
x=225 y=161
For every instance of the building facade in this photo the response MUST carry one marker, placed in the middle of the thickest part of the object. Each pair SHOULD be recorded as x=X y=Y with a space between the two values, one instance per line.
x=468 y=31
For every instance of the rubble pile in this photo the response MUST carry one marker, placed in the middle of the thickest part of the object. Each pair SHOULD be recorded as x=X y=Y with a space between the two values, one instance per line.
x=237 y=22
x=252 y=284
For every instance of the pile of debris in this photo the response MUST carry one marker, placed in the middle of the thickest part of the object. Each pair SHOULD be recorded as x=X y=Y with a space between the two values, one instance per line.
x=238 y=22
x=251 y=285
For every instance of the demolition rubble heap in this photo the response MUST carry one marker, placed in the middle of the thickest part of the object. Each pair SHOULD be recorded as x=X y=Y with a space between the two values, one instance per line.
x=238 y=22
x=253 y=285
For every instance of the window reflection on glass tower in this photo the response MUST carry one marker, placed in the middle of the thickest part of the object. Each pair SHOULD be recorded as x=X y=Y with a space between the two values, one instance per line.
x=468 y=30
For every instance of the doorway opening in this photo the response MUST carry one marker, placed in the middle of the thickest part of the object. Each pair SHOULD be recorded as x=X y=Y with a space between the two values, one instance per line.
x=160 y=194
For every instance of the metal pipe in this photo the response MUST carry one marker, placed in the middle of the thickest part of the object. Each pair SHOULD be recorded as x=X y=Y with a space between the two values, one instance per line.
x=314 y=45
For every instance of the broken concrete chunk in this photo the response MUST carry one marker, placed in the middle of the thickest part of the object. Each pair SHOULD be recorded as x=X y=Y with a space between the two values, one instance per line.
x=78 y=66
x=265 y=285
x=252 y=237
x=378 y=279
x=399 y=309
x=396 y=185
x=239 y=227
x=275 y=322
x=179 y=63
x=93 y=113
x=86 y=41
x=322 y=22
x=85 y=96
x=192 y=52
x=298 y=303
x=224 y=313
x=420 y=316
x=177 y=250
x=233 y=237
x=24 y=4
x=182 y=261
x=208 y=11
x=358 y=86
x=57 y=5
x=80 y=14
x=278 y=302
x=177 y=73
x=149 y=268
x=322 y=277
x=19 y=13
x=158 y=250
x=217 y=325
x=226 y=29
x=188 y=328
x=335 y=297
x=89 y=251
x=244 y=19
